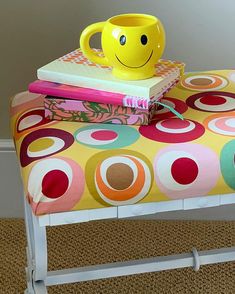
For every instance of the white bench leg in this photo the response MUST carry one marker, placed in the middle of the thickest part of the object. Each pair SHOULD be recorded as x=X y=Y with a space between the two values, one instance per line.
x=37 y=288
x=36 y=270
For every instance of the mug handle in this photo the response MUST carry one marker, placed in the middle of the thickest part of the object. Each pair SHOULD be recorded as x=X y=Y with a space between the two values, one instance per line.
x=85 y=46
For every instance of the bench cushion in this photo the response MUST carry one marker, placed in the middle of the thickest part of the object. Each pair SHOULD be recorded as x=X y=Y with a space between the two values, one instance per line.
x=73 y=166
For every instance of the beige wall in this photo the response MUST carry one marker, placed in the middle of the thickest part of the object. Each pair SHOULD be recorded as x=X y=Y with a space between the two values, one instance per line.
x=32 y=33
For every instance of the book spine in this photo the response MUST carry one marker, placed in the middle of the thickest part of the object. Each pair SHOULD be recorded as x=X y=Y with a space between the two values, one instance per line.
x=136 y=102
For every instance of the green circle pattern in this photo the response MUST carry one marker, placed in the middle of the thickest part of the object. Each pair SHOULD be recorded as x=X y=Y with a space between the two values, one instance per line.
x=125 y=135
x=227 y=163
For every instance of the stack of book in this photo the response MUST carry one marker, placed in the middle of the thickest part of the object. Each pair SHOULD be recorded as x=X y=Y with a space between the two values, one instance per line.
x=76 y=89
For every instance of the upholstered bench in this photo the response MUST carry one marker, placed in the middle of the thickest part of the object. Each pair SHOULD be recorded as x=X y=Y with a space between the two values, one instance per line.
x=75 y=172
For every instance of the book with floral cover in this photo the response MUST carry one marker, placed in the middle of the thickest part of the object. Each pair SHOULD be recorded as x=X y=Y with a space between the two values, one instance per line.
x=85 y=111
x=76 y=70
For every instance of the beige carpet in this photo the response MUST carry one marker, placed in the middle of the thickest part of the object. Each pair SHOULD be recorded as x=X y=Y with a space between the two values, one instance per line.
x=107 y=241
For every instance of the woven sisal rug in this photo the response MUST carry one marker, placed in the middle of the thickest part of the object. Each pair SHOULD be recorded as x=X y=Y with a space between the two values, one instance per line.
x=107 y=241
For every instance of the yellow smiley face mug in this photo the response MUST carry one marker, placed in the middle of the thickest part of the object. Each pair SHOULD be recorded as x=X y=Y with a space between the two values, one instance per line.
x=131 y=43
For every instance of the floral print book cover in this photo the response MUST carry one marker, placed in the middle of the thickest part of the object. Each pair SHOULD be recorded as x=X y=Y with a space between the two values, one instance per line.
x=84 y=111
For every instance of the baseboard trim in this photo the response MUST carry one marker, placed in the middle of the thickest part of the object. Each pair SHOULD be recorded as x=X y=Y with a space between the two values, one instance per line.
x=7 y=145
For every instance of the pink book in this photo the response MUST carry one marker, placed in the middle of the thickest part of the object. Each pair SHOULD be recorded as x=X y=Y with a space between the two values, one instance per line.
x=93 y=95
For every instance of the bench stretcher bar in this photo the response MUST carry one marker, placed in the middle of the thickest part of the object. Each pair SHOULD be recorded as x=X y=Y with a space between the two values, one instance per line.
x=147 y=265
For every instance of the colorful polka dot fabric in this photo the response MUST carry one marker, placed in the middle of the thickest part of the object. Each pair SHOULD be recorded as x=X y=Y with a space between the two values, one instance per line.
x=73 y=166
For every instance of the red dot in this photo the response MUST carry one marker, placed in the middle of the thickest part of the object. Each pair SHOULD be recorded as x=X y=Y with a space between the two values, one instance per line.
x=212 y=100
x=184 y=170
x=54 y=184
x=104 y=135
x=175 y=123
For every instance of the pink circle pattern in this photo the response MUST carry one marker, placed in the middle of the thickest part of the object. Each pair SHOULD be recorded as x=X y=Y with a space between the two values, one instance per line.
x=182 y=171
x=65 y=199
x=222 y=125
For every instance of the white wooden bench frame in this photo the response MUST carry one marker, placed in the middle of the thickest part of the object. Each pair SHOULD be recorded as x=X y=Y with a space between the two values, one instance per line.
x=38 y=277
